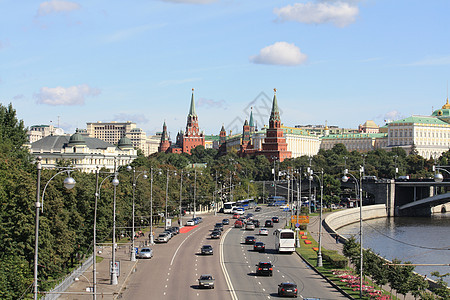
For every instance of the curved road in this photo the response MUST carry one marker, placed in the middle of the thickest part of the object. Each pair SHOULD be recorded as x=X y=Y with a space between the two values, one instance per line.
x=173 y=271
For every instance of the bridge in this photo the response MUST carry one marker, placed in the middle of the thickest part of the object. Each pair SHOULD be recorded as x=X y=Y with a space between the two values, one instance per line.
x=402 y=198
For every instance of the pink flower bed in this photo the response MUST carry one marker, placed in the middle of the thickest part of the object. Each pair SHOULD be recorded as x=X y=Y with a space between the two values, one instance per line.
x=353 y=282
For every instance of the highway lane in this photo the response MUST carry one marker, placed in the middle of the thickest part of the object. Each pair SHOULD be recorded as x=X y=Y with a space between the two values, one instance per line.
x=173 y=271
x=240 y=261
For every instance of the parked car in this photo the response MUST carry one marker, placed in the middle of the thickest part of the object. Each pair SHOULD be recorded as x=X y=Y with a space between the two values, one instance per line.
x=263 y=231
x=250 y=239
x=215 y=234
x=145 y=253
x=226 y=222
x=200 y=219
x=268 y=223
x=190 y=223
x=238 y=224
x=287 y=289
x=264 y=268
x=162 y=238
x=207 y=250
x=275 y=219
x=177 y=229
x=249 y=226
x=259 y=246
x=206 y=281
x=169 y=233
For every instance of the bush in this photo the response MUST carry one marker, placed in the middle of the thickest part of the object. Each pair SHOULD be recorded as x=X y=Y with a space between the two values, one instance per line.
x=335 y=259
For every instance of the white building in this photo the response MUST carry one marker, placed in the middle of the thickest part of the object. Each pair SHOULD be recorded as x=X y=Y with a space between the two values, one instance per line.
x=37 y=132
x=84 y=153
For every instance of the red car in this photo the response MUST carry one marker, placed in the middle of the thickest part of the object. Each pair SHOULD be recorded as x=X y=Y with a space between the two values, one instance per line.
x=238 y=224
x=236 y=216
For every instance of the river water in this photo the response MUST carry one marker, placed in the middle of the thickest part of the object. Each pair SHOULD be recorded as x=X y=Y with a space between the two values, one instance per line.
x=418 y=240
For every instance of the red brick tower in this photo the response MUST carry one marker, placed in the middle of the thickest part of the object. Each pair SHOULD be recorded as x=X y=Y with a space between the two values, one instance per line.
x=192 y=137
x=164 y=145
x=275 y=146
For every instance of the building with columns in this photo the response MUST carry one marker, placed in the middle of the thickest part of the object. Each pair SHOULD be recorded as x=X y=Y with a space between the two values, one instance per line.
x=82 y=152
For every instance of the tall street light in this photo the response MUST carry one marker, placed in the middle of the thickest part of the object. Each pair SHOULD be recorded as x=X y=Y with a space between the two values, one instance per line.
x=69 y=183
x=319 y=254
x=97 y=196
x=115 y=183
x=151 y=207
x=345 y=179
x=167 y=196
x=130 y=168
x=181 y=197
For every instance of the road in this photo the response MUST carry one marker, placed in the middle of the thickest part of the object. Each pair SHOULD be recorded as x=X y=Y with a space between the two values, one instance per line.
x=240 y=262
x=173 y=271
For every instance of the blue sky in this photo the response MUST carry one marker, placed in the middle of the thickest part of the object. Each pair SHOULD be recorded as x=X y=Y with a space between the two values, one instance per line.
x=343 y=62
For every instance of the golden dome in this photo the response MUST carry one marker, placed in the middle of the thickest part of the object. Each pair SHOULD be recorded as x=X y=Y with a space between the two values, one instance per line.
x=446 y=105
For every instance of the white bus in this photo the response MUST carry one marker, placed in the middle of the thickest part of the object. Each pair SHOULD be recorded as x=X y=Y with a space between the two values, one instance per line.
x=284 y=240
x=228 y=207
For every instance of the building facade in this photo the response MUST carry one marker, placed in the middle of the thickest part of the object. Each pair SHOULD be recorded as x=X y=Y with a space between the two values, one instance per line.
x=37 y=132
x=83 y=153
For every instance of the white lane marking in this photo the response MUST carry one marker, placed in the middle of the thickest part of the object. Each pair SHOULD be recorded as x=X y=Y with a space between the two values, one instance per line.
x=224 y=269
x=175 y=254
x=164 y=293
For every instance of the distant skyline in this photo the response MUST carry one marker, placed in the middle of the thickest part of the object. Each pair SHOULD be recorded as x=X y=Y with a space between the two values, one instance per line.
x=340 y=61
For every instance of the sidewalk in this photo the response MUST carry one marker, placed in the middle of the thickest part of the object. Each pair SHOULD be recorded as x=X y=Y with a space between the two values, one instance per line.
x=329 y=242
x=80 y=289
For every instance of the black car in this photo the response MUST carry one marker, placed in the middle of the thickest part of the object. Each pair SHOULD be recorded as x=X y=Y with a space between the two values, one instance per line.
x=207 y=249
x=250 y=239
x=268 y=223
x=275 y=219
x=264 y=268
x=215 y=234
x=226 y=222
x=287 y=289
x=257 y=209
x=259 y=246
x=256 y=222
x=218 y=226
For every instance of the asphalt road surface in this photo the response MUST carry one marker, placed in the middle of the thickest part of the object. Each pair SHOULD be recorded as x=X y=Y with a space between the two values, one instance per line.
x=173 y=271
x=240 y=263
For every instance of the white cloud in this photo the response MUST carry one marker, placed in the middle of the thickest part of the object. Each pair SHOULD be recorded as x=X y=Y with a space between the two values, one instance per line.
x=392 y=116
x=432 y=61
x=191 y=1
x=57 y=6
x=339 y=13
x=280 y=53
x=74 y=95
x=211 y=103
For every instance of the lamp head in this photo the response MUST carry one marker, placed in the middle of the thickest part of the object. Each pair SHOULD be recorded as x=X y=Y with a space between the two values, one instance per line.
x=69 y=182
x=145 y=176
x=344 y=178
x=129 y=168
x=438 y=177
x=115 y=181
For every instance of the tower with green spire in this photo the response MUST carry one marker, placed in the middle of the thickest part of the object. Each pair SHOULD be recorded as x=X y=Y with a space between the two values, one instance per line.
x=164 y=144
x=192 y=136
x=251 y=122
x=274 y=146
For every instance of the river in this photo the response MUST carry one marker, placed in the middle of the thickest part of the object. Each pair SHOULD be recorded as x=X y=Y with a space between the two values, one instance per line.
x=418 y=240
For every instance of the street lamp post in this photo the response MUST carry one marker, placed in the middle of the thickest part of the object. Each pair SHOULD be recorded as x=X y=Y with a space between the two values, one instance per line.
x=167 y=196
x=115 y=183
x=181 y=197
x=319 y=254
x=69 y=183
x=129 y=168
x=309 y=179
x=345 y=179
x=151 y=207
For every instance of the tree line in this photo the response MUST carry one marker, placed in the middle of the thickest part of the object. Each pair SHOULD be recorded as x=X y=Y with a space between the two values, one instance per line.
x=66 y=223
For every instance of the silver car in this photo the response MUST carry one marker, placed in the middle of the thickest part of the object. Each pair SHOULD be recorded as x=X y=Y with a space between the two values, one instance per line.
x=163 y=238
x=206 y=281
x=145 y=253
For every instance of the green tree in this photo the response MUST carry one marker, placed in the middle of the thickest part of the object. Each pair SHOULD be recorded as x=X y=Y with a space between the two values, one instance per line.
x=441 y=290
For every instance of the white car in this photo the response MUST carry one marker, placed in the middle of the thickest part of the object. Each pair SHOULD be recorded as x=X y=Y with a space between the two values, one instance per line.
x=240 y=211
x=263 y=231
x=145 y=253
x=163 y=238
x=190 y=223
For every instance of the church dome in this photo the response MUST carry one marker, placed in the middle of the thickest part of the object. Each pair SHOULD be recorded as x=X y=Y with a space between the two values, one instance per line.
x=443 y=113
x=124 y=142
x=76 y=139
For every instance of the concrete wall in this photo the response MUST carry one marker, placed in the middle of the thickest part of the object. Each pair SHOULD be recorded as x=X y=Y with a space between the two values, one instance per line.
x=341 y=218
